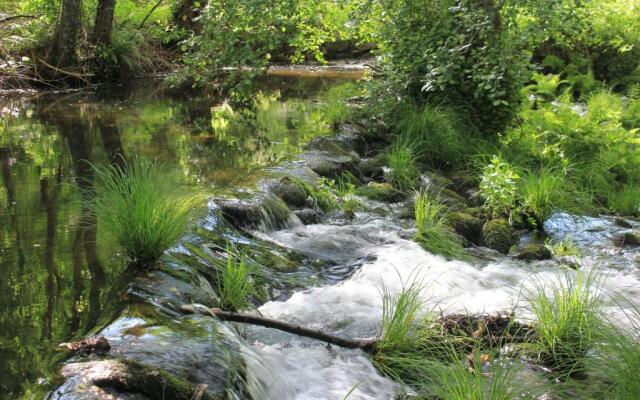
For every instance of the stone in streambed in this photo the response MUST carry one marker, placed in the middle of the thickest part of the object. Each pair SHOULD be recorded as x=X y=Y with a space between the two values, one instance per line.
x=465 y=225
x=630 y=238
x=533 y=252
x=289 y=192
x=497 y=234
x=384 y=192
x=307 y=216
x=372 y=167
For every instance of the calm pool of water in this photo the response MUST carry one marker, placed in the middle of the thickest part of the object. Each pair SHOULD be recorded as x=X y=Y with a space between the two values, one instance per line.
x=58 y=281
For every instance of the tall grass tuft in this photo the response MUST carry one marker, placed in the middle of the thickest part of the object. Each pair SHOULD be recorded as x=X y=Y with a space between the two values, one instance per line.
x=459 y=381
x=404 y=173
x=626 y=201
x=235 y=283
x=436 y=134
x=143 y=206
x=568 y=314
x=432 y=232
x=542 y=193
x=617 y=359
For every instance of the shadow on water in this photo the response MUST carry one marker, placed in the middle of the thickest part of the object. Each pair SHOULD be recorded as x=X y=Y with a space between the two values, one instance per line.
x=60 y=278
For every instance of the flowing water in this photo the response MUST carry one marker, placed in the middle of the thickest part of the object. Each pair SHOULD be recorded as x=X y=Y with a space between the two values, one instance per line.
x=59 y=280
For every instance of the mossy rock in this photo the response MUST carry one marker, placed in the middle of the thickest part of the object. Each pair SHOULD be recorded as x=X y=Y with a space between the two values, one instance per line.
x=533 y=252
x=497 y=234
x=452 y=199
x=372 y=167
x=631 y=238
x=292 y=194
x=477 y=212
x=307 y=216
x=432 y=179
x=380 y=192
x=465 y=225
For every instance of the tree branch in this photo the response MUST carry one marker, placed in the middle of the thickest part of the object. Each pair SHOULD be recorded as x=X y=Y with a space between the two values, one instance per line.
x=364 y=345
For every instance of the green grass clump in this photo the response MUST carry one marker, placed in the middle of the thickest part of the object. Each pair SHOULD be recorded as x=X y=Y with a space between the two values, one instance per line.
x=568 y=315
x=542 y=193
x=617 y=360
x=458 y=381
x=321 y=193
x=403 y=173
x=432 y=232
x=143 y=206
x=435 y=134
x=564 y=247
x=235 y=283
x=626 y=201
x=346 y=191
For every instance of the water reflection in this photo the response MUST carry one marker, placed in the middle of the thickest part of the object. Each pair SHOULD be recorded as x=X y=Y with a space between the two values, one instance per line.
x=58 y=276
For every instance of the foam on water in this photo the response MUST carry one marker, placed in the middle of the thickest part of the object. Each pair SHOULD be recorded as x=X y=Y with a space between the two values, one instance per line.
x=353 y=307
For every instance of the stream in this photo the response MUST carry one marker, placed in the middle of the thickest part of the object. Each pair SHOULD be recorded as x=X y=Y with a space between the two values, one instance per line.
x=61 y=280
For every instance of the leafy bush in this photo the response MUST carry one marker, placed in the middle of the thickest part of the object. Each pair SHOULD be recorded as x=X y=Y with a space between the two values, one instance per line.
x=143 y=206
x=498 y=187
x=462 y=51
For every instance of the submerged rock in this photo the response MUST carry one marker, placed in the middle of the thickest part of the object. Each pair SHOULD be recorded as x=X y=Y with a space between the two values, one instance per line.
x=498 y=235
x=621 y=222
x=307 y=216
x=629 y=238
x=261 y=212
x=533 y=252
x=465 y=225
x=372 y=168
x=384 y=192
x=289 y=192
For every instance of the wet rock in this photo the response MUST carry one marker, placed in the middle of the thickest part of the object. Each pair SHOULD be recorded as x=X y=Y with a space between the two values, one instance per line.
x=329 y=165
x=372 y=168
x=497 y=234
x=261 y=212
x=465 y=225
x=336 y=145
x=432 y=180
x=629 y=238
x=384 y=192
x=307 y=216
x=134 y=377
x=171 y=287
x=623 y=223
x=94 y=344
x=289 y=192
x=533 y=252
x=572 y=262
x=452 y=199
x=477 y=212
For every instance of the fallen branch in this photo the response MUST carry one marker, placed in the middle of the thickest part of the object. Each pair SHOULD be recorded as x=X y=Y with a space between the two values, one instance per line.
x=364 y=345
x=149 y=14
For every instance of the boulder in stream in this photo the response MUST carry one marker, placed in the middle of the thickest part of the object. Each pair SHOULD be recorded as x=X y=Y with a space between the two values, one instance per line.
x=533 y=252
x=465 y=225
x=497 y=234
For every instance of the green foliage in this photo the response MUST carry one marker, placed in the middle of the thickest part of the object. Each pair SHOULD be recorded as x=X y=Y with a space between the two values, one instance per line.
x=498 y=382
x=432 y=231
x=235 y=283
x=404 y=173
x=627 y=200
x=466 y=52
x=320 y=193
x=346 y=191
x=542 y=193
x=617 y=360
x=498 y=187
x=435 y=133
x=568 y=315
x=143 y=206
x=545 y=85
x=248 y=35
x=400 y=315
x=564 y=247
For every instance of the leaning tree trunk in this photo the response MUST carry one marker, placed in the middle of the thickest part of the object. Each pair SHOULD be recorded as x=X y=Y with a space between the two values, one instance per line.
x=64 y=47
x=104 y=22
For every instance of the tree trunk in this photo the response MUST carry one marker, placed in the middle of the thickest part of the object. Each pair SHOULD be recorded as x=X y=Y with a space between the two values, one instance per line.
x=64 y=47
x=104 y=22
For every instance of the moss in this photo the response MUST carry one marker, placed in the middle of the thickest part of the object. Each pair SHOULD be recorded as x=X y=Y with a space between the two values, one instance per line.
x=498 y=235
x=290 y=192
x=534 y=251
x=465 y=225
x=380 y=191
